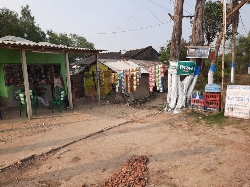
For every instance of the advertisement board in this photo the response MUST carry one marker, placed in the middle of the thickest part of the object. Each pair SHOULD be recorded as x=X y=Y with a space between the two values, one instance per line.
x=185 y=67
x=198 y=52
x=238 y=101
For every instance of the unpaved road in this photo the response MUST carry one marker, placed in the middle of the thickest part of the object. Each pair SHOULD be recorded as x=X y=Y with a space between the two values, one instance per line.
x=182 y=151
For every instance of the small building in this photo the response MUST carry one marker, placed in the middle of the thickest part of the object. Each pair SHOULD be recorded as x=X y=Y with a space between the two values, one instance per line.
x=23 y=61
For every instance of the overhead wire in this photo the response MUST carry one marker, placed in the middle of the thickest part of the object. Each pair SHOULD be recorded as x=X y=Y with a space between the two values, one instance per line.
x=137 y=29
x=132 y=15
x=132 y=30
x=160 y=6
x=242 y=23
x=154 y=14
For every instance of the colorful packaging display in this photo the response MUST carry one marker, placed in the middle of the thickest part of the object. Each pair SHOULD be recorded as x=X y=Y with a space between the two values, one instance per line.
x=155 y=77
x=117 y=78
x=123 y=81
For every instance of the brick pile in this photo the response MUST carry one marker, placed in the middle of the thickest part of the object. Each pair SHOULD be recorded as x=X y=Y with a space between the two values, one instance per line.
x=132 y=174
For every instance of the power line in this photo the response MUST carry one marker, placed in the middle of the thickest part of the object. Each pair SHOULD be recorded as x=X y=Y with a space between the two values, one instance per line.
x=132 y=30
x=154 y=14
x=242 y=23
x=132 y=15
x=160 y=6
x=191 y=4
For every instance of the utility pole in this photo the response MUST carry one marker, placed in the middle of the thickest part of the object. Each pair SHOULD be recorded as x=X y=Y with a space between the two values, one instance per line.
x=223 y=43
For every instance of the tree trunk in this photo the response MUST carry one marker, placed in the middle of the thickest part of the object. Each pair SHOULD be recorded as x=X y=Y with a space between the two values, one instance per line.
x=177 y=30
x=198 y=29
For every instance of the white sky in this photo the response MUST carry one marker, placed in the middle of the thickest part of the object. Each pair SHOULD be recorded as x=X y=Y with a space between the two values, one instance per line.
x=89 y=18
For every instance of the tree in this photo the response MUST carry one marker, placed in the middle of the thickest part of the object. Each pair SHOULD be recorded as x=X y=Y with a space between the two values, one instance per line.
x=243 y=51
x=212 y=26
x=30 y=30
x=9 y=23
x=165 y=52
x=177 y=30
x=71 y=40
x=198 y=25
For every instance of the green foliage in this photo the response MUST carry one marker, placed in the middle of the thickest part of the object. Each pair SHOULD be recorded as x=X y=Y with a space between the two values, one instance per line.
x=9 y=23
x=213 y=20
x=201 y=83
x=25 y=27
x=71 y=40
x=30 y=29
x=242 y=52
x=165 y=52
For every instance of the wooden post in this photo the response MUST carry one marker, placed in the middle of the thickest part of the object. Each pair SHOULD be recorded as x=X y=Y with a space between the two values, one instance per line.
x=223 y=43
x=234 y=25
x=26 y=85
x=98 y=80
x=68 y=82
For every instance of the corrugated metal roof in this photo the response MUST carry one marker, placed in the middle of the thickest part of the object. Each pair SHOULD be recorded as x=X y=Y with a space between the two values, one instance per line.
x=122 y=65
x=20 y=43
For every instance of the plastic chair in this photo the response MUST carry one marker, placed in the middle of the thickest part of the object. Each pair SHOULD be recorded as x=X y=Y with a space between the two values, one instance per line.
x=23 y=103
x=59 y=100
x=91 y=94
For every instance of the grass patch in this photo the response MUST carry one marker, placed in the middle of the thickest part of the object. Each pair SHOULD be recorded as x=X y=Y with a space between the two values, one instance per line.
x=210 y=119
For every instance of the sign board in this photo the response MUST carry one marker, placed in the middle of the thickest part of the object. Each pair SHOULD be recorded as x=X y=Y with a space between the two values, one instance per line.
x=185 y=67
x=198 y=52
x=238 y=101
x=173 y=65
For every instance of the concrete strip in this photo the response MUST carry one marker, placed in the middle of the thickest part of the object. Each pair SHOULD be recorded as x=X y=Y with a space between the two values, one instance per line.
x=13 y=152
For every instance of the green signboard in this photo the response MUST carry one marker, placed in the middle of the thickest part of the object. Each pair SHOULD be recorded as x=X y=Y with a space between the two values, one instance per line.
x=185 y=67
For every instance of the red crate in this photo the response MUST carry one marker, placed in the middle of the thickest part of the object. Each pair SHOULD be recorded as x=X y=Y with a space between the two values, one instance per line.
x=212 y=104
x=212 y=97
x=198 y=102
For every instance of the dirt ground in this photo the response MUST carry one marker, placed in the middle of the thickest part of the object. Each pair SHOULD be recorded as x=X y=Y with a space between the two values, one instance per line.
x=182 y=150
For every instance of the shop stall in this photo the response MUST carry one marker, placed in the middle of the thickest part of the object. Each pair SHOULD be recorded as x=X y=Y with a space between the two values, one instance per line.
x=23 y=61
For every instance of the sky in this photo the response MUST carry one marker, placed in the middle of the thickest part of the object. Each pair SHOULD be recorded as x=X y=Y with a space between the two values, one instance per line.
x=114 y=25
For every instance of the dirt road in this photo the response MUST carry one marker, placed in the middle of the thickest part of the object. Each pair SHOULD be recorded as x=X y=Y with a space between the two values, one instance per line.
x=93 y=143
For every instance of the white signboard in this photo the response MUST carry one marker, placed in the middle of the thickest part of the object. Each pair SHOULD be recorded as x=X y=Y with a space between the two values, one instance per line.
x=173 y=65
x=198 y=52
x=238 y=101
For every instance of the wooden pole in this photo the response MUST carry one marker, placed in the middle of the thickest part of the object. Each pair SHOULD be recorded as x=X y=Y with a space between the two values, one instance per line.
x=68 y=82
x=223 y=43
x=98 y=79
x=26 y=85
